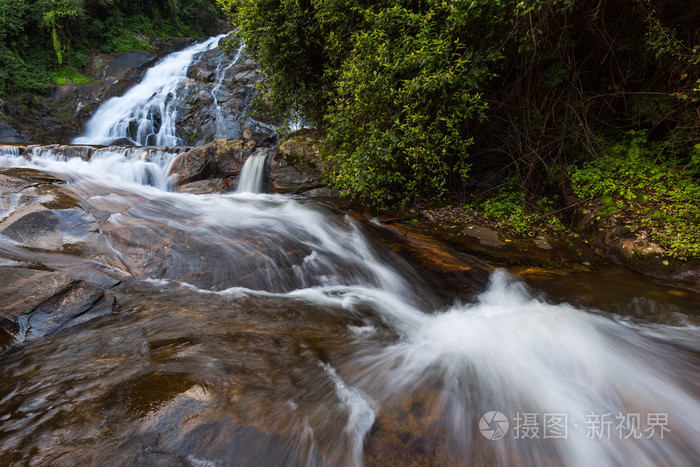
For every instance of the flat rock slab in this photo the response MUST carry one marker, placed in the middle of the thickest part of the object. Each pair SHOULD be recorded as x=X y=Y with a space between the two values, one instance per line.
x=485 y=235
x=36 y=303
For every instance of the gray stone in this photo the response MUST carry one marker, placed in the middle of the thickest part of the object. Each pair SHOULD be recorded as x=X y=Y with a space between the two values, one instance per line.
x=45 y=302
x=33 y=226
x=9 y=134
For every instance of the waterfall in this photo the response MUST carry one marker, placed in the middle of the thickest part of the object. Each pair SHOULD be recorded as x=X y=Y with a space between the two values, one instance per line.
x=266 y=323
x=109 y=165
x=252 y=173
x=220 y=74
x=262 y=314
x=146 y=113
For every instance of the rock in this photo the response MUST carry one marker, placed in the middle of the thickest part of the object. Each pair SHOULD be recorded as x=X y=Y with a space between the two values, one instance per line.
x=44 y=302
x=33 y=226
x=485 y=235
x=220 y=159
x=217 y=100
x=45 y=216
x=83 y=152
x=202 y=187
x=262 y=134
x=614 y=241
x=123 y=64
x=9 y=134
x=295 y=168
x=8 y=187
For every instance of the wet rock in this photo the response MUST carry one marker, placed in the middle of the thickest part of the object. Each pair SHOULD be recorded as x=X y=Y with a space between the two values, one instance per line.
x=9 y=186
x=262 y=134
x=221 y=159
x=295 y=168
x=197 y=119
x=638 y=253
x=33 y=226
x=485 y=235
x=124 y=63
x=9 y=134
x=202 y=187
x=44 y=302
x=217 y=101
x=94 y=274
x=38 y=220
x=69 y=151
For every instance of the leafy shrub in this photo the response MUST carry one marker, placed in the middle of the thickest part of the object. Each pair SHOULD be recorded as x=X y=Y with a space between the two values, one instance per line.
x=656 y=196
x=395 y=85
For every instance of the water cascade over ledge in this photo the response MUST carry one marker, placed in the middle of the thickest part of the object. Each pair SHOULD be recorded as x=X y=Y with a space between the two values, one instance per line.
x=146 y=113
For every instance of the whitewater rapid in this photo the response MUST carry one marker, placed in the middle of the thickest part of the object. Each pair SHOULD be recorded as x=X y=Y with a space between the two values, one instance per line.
x=146 y=113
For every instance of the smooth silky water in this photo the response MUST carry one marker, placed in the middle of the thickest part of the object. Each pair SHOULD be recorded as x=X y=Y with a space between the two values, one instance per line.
x=146 y=113
x=260 y=329
x=273 y=331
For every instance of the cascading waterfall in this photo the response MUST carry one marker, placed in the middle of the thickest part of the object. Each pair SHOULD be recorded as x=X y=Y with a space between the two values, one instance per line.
x=220 y=74
x=145 y=114
x=256 y=328
x=507 y=351
x=111 y=165
x=251 y=178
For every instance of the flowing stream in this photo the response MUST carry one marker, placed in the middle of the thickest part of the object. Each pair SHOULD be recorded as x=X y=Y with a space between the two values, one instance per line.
x=260 y=329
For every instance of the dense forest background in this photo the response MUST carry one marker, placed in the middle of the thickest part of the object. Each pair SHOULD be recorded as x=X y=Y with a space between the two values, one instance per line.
x=46 y=42
x=522 y=109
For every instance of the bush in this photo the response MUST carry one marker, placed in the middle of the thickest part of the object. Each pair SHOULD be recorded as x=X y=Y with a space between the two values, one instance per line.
x=400 y=88
x=39 y=39
x=655 y=196
x=394 y=85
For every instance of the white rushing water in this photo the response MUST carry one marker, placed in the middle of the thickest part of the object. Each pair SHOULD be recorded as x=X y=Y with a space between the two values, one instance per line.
x=111 y=165
x=619 y=391
x=251 y=178
x=146 y=114
x=616 y=396
x=219 y=75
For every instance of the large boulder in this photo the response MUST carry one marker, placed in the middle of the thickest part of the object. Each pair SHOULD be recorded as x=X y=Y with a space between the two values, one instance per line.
x=296 y=167
x=36 y=303
x=221 y=159
x=214 y=167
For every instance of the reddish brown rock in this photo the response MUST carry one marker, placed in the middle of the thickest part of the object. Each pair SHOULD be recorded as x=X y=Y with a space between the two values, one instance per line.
x=221 y=159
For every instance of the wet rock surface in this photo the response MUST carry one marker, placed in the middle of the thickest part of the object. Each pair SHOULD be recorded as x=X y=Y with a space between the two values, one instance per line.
x=8 y=133
x=636 y=251
x=218 y=98
x=295 y=168
x=45 y=302
x=222 y=159
x=252 y=330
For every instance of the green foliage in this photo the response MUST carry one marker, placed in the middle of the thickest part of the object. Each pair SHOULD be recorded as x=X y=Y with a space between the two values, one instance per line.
x=32 y=31
x=395 y=86
x=511 y=211
x=69 y=74
x=657 y=196
x=401 y=107
x=12 y=13
x=400 y=88
x=56 y=46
